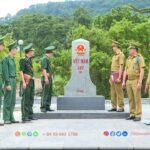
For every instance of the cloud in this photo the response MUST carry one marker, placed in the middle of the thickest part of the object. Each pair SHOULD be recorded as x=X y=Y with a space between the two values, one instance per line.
x=13 y=6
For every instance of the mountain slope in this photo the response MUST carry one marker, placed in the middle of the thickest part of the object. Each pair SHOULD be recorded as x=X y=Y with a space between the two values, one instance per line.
x=95 y=6
x=67 y=8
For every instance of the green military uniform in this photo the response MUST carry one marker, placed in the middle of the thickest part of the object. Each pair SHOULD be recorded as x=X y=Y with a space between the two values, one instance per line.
x=47 y=88
x=9 y=75
x=117 y=96
x=26 y=67
x=1 y=81
x=133 y=65
x=148 y=82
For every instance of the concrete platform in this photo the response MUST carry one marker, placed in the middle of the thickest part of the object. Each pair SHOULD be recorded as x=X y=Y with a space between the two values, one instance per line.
x=78 y=134
x=82 y=114
x=81 y=103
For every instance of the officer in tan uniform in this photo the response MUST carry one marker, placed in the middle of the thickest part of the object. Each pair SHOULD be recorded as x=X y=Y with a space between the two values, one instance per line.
x=116 y=78
x=147 y=88
x=134 y=73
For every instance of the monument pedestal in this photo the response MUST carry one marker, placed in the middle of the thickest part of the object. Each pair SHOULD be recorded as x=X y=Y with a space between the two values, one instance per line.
x=81 y=103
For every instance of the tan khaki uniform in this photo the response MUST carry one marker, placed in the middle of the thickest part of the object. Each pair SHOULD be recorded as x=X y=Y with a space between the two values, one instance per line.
x=133 y=66
x=148 y=82
x=116 y=88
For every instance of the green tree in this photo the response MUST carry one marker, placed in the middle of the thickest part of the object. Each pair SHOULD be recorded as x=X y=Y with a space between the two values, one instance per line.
x=82 y=16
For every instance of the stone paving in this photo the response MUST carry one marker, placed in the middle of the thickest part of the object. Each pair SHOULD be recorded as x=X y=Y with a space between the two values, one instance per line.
x=77 y=133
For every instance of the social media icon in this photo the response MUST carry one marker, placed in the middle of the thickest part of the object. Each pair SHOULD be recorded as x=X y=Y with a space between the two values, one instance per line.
x=29 y=133
x=106 y=133
x=125 y=133
x=112 y=133
x=17 y=133
x=23 y=133
x=35 y=133
x=118 y=133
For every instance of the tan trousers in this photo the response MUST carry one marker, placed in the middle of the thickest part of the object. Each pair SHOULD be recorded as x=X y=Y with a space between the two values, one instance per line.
x=117 y=96
x=134 y=96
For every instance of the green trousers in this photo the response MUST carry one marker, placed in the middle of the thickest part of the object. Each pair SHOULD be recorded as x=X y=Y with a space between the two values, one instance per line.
x=27 y=101
x=46 y=94
x=0 y=94
x=9 y=101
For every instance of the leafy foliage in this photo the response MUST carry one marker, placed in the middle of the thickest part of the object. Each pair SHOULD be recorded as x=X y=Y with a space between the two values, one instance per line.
x=121 y=24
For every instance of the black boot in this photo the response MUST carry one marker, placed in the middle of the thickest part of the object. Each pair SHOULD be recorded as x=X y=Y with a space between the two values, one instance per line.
x=112 y=110
x=33 y=118
x=48 y=109
x=130 y=118
x=43 y=110
x=120 y=110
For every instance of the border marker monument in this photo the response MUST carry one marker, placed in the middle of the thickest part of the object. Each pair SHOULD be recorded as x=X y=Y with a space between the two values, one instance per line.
x=80 y=92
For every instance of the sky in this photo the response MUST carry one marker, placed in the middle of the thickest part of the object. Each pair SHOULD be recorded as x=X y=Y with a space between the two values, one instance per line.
x=13 y=6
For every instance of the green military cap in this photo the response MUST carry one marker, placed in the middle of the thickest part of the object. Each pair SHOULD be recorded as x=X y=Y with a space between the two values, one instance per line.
x=28 y=48
x=12 y=45
x=1 y=39
x=115 y=44
x=49 y=49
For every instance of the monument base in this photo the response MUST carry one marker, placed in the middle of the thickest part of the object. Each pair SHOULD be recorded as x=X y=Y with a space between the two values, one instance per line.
x=82 y=114
x=81 y=103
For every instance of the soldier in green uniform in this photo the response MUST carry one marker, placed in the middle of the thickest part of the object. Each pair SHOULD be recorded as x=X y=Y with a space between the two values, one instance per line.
x=134 y=73
x=9 y=75
x=46 y=80
x=26 y=73
x=1 y=83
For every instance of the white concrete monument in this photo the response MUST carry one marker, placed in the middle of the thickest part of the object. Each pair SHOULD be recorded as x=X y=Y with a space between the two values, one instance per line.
x=80 y=83
x=80 y=92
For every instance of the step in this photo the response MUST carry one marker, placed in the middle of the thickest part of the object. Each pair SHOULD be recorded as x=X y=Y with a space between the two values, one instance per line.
x=82 y=114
